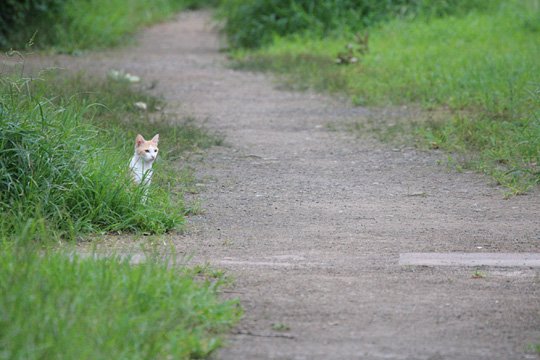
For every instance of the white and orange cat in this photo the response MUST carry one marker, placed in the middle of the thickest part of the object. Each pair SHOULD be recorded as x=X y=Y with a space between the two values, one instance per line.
x=141 y=163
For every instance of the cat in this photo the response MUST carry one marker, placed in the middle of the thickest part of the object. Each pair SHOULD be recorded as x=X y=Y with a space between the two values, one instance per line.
x=141 y=163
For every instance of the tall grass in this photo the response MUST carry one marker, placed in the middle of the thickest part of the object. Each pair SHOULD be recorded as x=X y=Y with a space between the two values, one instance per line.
x=481 y=65
x=63 y=159
x=55 y=166
x=54 y=306
x=74 y=25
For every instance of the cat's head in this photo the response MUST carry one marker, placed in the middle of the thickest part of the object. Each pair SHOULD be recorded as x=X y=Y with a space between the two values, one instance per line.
x=147 y=150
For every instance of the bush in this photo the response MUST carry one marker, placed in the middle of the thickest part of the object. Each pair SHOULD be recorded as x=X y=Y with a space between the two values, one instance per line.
x=16 y=15
x=253 y=23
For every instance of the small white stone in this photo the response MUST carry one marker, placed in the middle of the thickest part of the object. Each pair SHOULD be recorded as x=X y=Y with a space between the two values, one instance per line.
x=132 y=78
x=141 y=105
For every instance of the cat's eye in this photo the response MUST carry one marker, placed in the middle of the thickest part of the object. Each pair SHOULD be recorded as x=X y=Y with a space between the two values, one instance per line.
x=147 y=150
x=155 y=150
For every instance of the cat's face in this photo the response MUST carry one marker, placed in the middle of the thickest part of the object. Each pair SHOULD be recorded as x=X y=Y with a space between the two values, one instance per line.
x=147 y=150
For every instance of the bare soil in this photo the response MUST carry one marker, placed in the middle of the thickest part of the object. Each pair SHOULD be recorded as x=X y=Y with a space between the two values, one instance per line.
x=310 y=222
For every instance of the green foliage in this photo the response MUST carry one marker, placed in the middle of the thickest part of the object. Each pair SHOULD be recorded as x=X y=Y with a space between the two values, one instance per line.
x=16 y=14
x=73 y=25
x=253 y=23
x=55 y=306
x=64 y=159
x=481 y=66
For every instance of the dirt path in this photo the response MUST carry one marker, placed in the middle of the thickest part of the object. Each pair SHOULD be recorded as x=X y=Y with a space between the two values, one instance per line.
x=311 y=222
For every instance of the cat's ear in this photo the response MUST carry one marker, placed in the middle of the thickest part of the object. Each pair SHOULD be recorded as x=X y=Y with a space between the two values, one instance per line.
x=139 y=140
x=155 y=139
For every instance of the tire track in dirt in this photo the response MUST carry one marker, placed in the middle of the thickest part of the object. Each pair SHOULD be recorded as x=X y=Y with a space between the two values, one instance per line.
x=311 y=222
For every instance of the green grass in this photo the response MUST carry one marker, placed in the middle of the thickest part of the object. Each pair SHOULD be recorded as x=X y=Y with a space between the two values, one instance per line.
x=74 y=25
x=481 y=67
x=65 y=146
x=55 y=306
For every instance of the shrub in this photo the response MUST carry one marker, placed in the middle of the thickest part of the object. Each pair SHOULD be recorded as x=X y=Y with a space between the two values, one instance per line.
x=16 y=15
x=253 y=23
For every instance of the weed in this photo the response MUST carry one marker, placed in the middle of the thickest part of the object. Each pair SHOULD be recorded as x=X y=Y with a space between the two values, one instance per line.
x=478 y=274
x=208 y=272
x=355 y=50
x=194 y=208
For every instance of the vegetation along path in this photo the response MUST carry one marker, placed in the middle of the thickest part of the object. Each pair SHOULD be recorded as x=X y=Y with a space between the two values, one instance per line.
x=311 y=222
